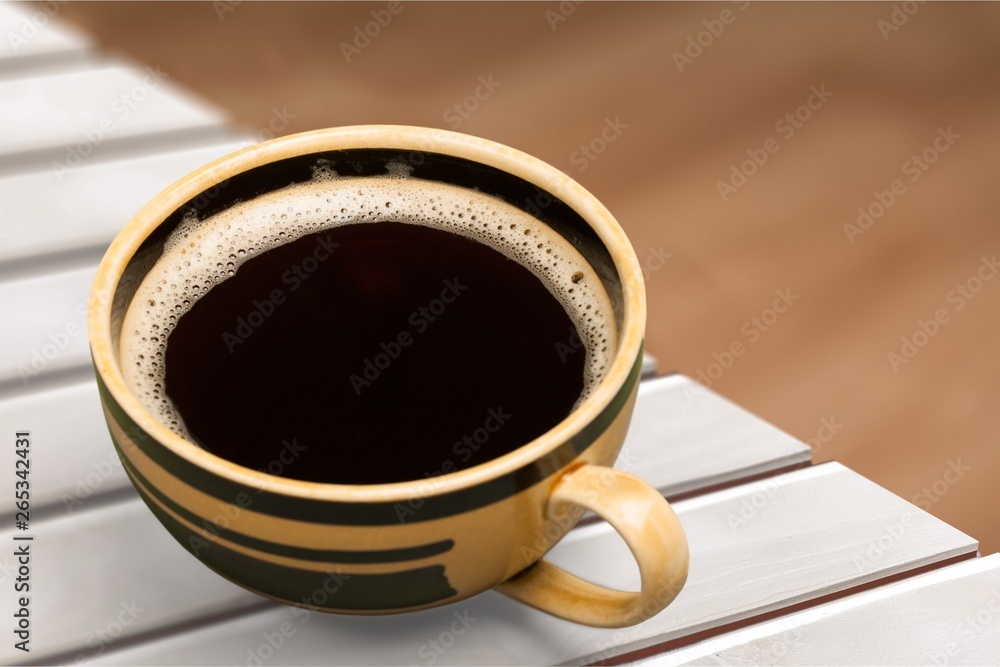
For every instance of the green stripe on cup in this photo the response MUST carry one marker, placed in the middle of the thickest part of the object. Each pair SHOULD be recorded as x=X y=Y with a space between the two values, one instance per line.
x=302 y=553
x=334 y=590
x=385 y=513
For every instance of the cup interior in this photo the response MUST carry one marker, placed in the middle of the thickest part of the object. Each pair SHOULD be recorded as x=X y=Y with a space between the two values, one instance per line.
x=556 y=201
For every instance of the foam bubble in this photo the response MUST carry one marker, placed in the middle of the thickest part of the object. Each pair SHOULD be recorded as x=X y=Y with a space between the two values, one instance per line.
x=202 y=253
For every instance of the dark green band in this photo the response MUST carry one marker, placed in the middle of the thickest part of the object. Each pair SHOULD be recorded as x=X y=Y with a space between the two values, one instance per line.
x=302 y=553
x=384 y=513
x=334 y=590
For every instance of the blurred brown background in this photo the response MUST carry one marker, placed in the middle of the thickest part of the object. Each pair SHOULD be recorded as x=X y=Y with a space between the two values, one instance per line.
x=681 y=93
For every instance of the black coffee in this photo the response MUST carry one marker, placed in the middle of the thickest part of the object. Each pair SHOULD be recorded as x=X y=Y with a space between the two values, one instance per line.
x=373 y=353
x=365 y=331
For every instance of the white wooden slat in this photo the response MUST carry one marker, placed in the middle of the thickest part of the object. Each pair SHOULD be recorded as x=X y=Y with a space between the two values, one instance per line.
x=45 y=212
x=950 y=616
x=62 y=121
x=754 y=548
x=100 y=575
x=648 y=365
x=78 y=462
x=710 y=440
x=31 y=32
x=74 y=460
x=43 y=329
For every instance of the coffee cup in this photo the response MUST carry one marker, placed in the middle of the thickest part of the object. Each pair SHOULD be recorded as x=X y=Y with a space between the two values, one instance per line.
x=376 y=548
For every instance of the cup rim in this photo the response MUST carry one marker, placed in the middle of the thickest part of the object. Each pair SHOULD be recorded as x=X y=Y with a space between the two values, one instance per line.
x=400 y=137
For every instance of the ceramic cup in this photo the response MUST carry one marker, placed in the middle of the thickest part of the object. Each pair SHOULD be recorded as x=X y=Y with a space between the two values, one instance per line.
x=383 y=548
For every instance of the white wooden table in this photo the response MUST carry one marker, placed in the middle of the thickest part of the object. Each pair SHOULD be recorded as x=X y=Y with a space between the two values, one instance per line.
x=791 y=563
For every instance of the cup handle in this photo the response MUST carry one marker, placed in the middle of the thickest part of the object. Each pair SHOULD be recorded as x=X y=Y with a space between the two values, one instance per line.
x=650 y=528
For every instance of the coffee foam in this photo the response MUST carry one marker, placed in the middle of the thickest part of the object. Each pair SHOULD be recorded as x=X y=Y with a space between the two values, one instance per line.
x=202 y=253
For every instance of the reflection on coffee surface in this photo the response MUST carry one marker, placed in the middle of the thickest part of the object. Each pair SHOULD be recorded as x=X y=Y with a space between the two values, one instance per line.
x=366 y=330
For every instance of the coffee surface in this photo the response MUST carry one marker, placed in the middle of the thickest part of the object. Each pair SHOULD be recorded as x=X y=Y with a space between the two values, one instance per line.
x=373 y=353
x=366 y=330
